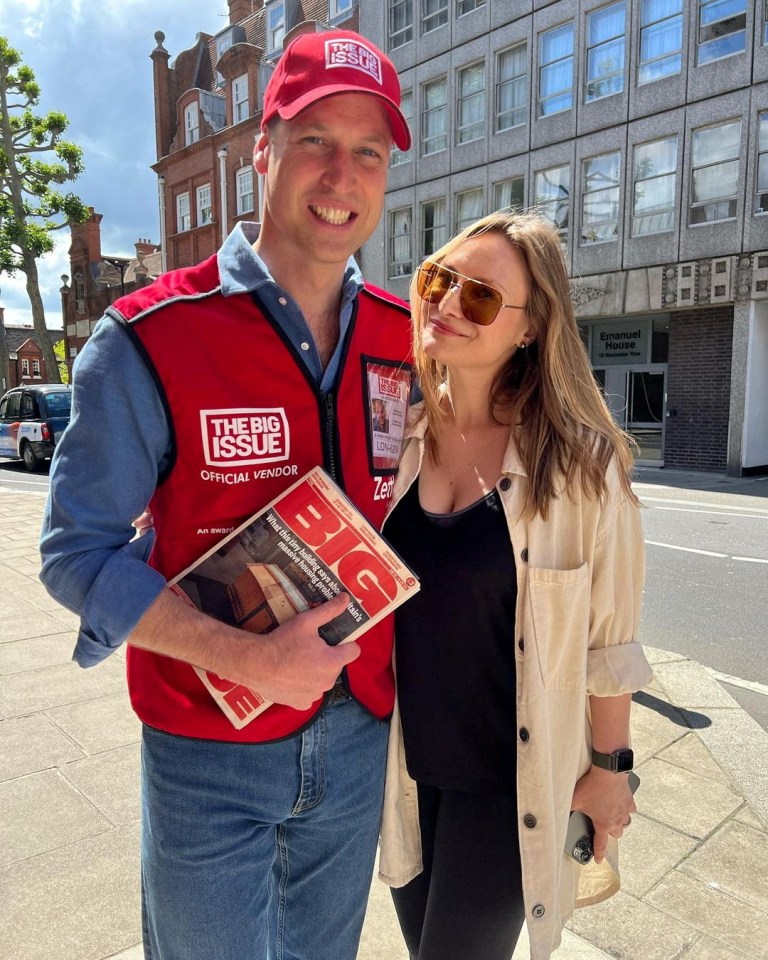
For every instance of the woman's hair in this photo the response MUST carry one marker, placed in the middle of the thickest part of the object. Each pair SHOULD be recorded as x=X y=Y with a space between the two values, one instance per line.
x=563 y=427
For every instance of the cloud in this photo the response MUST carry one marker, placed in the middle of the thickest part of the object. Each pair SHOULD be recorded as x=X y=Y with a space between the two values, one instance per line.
x=92 y=62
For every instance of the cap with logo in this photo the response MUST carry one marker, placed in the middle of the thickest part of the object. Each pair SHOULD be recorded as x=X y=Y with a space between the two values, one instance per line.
x=317 y=65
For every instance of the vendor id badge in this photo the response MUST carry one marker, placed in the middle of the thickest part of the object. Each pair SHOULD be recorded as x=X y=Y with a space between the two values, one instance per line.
x=387 y=389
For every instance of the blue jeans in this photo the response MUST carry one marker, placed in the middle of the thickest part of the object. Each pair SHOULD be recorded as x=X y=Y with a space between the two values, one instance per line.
x=261 y=851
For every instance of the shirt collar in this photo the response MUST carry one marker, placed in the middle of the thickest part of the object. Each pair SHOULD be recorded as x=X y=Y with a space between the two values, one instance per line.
x=241 y=269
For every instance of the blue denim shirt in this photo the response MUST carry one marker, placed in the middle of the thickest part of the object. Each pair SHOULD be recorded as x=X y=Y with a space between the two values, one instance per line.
x=106 y=466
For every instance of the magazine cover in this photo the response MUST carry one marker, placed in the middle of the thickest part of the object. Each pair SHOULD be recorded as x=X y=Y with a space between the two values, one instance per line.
x=302 y=549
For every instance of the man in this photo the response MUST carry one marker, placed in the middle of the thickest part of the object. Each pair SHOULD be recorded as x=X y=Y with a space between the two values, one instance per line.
x=257 y=843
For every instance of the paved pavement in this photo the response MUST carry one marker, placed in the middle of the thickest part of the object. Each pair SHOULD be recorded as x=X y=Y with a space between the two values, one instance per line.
x=694 y=863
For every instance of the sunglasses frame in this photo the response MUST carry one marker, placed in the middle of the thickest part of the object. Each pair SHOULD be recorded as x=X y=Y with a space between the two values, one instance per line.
x=455 y=274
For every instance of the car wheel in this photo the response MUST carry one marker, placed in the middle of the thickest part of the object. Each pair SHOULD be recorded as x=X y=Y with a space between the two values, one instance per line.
x=31 y=461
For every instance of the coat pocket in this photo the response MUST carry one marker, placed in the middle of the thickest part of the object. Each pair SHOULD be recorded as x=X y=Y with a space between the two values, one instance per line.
x=560 y=613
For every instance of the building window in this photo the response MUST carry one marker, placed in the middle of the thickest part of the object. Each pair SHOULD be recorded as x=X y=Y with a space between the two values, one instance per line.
x=511 y=87
x=204 y=210
x=605 y=51
x=434 y=117
x=761 y=205
x=400 y=251
x=469 y=207
x=400 y=23
x=25 y=367
x=240 y=107
x=183 y=214
x=715 y=172
x=467 y=6
x=244 y=181
x=653 y=205
x=722 y=29
x=434 y=14
x=275 y=27
x=553 y=196
x=470 y=116
x=509 y=194
x=191 y=123
x=434 y=226
x=339 y=9
x=406 y=108
x=661 y=39
x=556 y=70
x=600 y=198
x=35 y=368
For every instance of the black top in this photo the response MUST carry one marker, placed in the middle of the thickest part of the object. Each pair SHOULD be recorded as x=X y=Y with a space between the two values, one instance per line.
x=455 y=647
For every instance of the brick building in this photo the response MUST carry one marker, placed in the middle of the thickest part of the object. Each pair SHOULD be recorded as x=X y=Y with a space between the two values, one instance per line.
x=207 y=115
x=97 y=279
x=26 y=362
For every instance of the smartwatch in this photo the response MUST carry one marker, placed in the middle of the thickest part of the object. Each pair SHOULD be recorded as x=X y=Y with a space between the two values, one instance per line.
x=620 y=761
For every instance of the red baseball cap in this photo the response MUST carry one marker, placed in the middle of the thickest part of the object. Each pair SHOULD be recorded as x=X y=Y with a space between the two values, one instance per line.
x=317 y=65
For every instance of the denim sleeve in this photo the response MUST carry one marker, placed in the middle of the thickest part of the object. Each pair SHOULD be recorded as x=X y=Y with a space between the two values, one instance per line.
x=104 y=472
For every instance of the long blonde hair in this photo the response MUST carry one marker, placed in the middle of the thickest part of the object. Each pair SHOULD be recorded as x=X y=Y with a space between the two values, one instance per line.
x=563 y=428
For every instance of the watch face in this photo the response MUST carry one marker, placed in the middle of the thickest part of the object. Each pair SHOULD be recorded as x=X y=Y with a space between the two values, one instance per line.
x=624 y=761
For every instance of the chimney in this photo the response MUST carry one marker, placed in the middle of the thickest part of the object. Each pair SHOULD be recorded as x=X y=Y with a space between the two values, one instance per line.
x=89 y=234
x=240 y=9
x=144 y=248
x=165 y=105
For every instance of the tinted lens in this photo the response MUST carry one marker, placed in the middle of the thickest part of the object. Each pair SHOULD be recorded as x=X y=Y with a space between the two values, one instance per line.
x=479 y=302
x=433 y=282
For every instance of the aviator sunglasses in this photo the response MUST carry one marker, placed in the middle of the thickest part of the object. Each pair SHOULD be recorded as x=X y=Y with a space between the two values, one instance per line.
x=479 y=302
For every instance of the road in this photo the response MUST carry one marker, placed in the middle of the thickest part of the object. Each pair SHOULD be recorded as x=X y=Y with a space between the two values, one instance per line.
x=706 y=583
x=15 y=477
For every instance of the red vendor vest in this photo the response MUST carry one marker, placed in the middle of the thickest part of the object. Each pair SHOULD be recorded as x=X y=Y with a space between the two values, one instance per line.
x=222 y=364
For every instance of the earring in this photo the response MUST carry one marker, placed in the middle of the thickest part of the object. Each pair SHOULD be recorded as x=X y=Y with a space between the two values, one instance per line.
x=522 y=345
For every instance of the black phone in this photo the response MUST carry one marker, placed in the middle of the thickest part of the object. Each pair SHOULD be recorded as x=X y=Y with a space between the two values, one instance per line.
x=578 y=839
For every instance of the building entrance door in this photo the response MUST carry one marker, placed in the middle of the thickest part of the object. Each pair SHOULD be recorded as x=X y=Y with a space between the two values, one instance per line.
x=637 y=398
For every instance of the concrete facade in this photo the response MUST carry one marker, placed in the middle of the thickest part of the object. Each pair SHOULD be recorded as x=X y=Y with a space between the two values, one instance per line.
x=696 y=276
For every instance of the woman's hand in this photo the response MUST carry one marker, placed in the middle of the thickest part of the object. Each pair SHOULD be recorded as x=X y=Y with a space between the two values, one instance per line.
x=606 y=799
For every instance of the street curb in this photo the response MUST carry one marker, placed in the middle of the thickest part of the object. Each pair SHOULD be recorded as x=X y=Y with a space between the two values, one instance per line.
x=738 y=744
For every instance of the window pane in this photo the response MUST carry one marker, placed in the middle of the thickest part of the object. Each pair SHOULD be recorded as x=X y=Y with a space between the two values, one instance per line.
x=762 y=173
x=723 y=47
x=719 y=180
x=658 y=9
x=606 y=24
x=602 y=171
x=763 y=132
x=553 y=184
x=557 y=43
x=716 y=143
x=720 y=9
x=652 y=159
x=661 y=39
x=509 y=193
x=556 y=78
x=657 y=193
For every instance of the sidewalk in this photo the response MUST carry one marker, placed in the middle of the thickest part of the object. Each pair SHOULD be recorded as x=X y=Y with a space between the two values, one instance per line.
x=694 y=863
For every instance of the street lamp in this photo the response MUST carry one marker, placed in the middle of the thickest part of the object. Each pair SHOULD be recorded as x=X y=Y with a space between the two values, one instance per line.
x=121 y=265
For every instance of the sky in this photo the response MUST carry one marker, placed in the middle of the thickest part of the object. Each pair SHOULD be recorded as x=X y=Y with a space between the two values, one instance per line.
x=91 y=59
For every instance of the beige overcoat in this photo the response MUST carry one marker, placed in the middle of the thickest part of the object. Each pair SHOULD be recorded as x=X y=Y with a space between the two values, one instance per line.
x=580 y=581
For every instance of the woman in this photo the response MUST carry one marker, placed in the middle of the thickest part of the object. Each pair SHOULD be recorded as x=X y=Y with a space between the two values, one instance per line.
x=517 y=660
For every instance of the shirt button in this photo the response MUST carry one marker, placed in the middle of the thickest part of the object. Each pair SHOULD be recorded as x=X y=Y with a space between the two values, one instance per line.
x=538 y=910
x=524 y=554
x=524 y=735
x=529 y=820
x=282 y=301
x=521 y=644
x=305 y=345
x=505 y=483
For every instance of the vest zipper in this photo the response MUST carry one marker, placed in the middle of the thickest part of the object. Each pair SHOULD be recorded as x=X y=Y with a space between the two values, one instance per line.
x=330 y=422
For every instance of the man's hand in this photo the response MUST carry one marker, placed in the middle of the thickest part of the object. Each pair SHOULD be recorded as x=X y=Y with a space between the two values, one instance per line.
x=295 y=666
x=606 y=799
x=292 y=665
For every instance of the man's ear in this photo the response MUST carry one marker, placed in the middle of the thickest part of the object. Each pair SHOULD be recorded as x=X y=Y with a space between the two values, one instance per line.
x=261 y=153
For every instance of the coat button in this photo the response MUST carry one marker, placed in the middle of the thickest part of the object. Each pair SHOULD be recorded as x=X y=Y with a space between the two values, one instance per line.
x=521 y=644
x=538 y=910
x=529 y=820
x=524 y=735
x=524 y=554
x=505 y=483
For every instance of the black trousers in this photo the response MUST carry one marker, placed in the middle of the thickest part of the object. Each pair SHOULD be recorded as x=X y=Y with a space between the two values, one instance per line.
x=467 y=904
